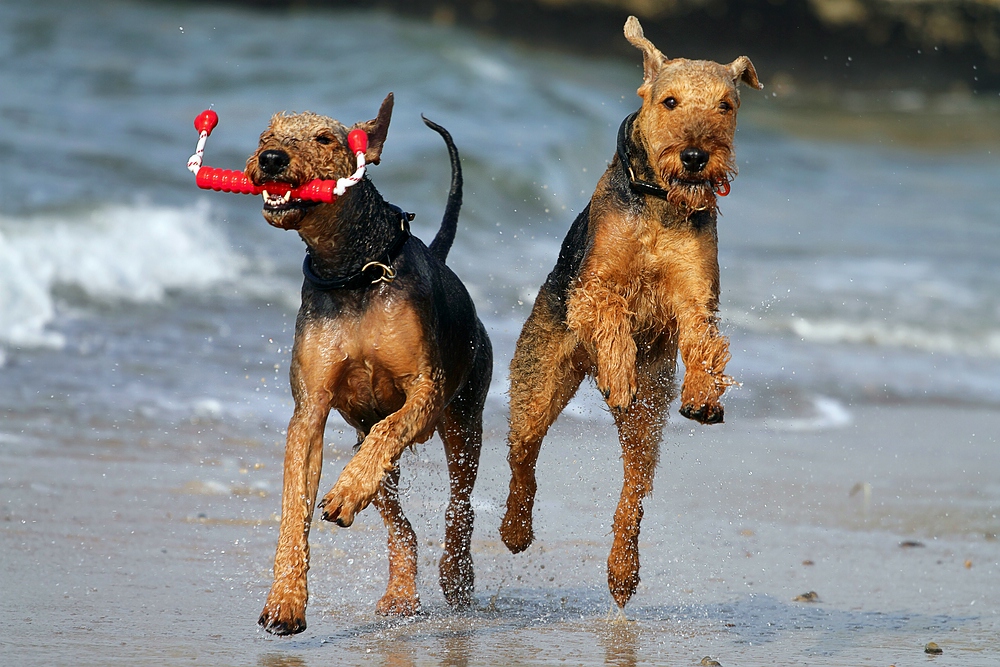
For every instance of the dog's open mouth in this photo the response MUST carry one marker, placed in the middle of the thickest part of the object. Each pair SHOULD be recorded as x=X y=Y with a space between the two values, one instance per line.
x=284 y=211
x=692 y=185
x=689 y=183
x=276 y=203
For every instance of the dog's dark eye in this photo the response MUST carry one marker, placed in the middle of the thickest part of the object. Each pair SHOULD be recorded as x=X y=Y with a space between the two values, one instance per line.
x=324 y=140
x=725 y=107
x=670 y=102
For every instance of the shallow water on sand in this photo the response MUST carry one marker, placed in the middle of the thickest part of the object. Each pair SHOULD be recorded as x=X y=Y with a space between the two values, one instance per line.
x=145 y=328
x=159 y=552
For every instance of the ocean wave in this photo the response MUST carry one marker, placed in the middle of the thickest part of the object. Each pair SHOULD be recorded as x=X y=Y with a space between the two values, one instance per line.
x=884 y=334
x=828 y=414
x=118 y=253
x=960 y=340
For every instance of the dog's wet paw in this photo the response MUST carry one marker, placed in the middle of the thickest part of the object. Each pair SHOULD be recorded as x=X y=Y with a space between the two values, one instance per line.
x=338 y=510
x=709 y=413
x=458 y=579
x=619 y=396
x=460 y=598
x=282 y=621
x=398 y=605
x=355 y=490
x=623 y=573
x=516 y=531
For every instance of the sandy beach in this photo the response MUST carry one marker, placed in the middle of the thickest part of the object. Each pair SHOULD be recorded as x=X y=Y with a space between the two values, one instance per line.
x=162 y=555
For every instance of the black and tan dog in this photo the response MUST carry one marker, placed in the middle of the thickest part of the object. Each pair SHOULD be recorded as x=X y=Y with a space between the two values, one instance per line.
x=637 y=280
x=388 y=336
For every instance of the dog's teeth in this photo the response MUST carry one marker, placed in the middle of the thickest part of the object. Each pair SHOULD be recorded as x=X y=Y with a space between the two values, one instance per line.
x=276 y=199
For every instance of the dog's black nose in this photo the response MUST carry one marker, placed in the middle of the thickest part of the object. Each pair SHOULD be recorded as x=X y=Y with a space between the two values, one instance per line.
x=273 y=162
x=694 y=159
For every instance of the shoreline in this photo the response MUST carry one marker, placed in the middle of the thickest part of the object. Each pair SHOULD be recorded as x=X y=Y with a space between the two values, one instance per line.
x=117 y=558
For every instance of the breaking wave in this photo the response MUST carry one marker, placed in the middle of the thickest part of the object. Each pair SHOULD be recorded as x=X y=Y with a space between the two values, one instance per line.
x=118 y=253
x=959 y=340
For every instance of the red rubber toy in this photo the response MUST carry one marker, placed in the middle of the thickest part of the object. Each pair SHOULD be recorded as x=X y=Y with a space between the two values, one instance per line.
x=231 y=180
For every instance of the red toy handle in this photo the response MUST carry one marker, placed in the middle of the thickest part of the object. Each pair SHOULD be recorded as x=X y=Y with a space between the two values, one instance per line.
x=316 y=190
x=230 y=180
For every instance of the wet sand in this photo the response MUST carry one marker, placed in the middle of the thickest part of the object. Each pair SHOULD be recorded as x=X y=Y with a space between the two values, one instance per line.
x=159 y=552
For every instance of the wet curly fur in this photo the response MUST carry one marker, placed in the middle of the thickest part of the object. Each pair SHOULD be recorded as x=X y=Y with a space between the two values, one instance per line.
x=636 y=282
x=398 y=358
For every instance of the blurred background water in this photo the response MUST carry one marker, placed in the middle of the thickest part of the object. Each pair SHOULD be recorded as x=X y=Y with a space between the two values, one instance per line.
x=858 y=246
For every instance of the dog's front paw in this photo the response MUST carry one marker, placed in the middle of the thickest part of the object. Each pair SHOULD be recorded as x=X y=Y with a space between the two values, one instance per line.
x=515 y=529
x=353 y=492
x=341 y=509
x=618 y=395
x=700 y=397
x=623 y=572
x=458 y=579
x=282 y=619
x=707 y=413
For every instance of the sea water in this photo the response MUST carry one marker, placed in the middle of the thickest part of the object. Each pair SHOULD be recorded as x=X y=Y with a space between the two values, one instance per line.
x=851 y=270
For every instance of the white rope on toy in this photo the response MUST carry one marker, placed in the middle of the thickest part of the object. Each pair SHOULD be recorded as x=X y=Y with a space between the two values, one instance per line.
x=344 y=183
x=194 y=162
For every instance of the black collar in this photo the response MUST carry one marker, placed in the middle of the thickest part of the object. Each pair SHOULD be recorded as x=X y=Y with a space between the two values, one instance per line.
x=624 y=155
x=377 y=270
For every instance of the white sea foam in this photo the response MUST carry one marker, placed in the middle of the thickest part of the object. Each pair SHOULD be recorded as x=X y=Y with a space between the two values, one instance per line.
x=25 y=303
x=897 y=335
x=960 y=340
x=828 y=414
x=114 y=254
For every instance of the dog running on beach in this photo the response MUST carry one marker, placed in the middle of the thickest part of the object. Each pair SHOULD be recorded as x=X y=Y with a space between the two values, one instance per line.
x=388 y=336
x=636 y=281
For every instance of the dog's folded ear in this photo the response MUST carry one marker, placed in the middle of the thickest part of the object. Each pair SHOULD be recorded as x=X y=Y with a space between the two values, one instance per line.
x=377 y=129
x=743 y=70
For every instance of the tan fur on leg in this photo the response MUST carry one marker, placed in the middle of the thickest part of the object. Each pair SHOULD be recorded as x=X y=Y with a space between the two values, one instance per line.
x=400 y=598
x=545 y=373
x=360 y=479
x=601 y=318
x=284 y=610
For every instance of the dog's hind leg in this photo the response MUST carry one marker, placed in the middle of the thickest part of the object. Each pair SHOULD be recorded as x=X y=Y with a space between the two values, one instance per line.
x=463 y=437
x=400 y=597
x=461 y=430
x=640 y=428
x=545 y=372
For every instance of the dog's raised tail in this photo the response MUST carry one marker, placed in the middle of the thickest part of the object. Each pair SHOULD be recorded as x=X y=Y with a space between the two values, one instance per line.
x=449 y=223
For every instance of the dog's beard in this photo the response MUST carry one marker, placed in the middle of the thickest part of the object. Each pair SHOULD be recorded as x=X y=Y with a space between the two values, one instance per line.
x=698 y=191
x=691 y=195
x=287 y=215
x=289 y=218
